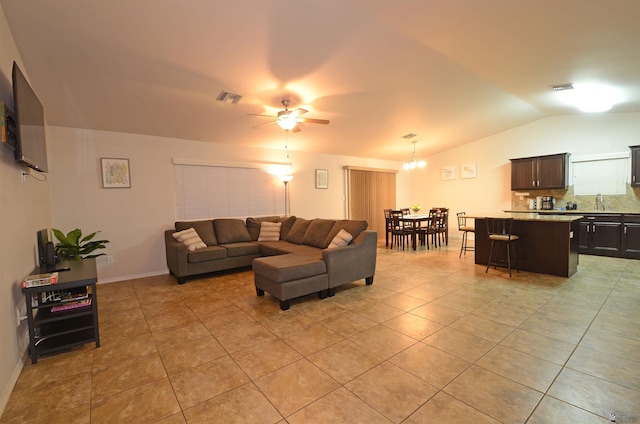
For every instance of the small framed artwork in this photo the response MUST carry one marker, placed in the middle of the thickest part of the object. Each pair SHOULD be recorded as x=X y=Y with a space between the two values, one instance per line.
x=115 y=173
x=322 y=178
x=449 y=173
x=468 y=170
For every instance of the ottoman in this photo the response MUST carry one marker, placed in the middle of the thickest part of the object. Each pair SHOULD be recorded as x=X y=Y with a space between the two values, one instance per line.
x=286 y=277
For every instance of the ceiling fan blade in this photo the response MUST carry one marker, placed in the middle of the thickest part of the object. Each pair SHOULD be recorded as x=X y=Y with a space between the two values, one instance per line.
x=258 y=114
x=264 y=124
x=297 y=112
x=296 y=129
x=314 y=121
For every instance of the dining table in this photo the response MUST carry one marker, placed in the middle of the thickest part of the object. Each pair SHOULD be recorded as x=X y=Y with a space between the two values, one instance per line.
x=416 y=221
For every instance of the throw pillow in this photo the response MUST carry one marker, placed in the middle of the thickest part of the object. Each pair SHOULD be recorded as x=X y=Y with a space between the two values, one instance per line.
x=189 y=238
x=269 y=231
x=343 y=238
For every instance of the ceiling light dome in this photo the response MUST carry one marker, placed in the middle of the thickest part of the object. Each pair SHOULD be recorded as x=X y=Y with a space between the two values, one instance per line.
x=590 y=98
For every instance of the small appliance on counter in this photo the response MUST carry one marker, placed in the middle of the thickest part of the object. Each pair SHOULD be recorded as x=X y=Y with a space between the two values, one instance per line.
x=548 y=203
x=572 y=206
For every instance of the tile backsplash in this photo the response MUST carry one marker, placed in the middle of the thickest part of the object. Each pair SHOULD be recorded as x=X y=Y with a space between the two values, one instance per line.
x=629 y=202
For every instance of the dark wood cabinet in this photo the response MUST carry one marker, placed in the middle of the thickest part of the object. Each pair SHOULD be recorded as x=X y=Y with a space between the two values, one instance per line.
x=635 y=165
x=601 y=235
x=631 y=236
x=540 y=172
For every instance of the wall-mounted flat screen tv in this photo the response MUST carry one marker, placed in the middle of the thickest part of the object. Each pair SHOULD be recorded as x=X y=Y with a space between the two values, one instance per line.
x=31 y=147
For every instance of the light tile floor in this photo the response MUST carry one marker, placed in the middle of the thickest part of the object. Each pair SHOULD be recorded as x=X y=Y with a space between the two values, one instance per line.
x=433 y=340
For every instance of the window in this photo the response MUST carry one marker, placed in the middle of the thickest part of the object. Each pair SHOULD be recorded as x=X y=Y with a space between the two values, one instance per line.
x=209 y=191
x=601 y=175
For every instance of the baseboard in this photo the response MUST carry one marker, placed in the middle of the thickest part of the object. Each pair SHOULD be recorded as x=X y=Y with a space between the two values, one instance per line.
x=13 y=379
x=132 y=277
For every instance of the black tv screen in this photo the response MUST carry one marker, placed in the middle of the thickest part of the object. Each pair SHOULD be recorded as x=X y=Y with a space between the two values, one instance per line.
x=31 y=148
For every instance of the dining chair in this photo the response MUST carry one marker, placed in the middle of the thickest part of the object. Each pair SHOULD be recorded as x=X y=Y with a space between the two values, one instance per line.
x=499 y=231
x=429 y=229
x=388 y=225
x=466 y=229
x=443 y=230
x=401 y=231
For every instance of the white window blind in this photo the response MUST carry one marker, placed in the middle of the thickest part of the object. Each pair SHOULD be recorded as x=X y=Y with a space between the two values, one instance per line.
x=600 y=176
x=208 y=191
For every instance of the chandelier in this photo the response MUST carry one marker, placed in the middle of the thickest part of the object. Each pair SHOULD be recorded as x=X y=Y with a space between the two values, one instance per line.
x=414 y=162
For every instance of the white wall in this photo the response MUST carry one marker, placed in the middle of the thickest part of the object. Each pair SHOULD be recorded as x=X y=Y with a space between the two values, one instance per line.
x=133 y=220
x=25 y=209
x=491 y=190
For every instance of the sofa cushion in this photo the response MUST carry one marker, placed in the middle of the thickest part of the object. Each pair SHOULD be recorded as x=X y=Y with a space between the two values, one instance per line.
x=283 y=268
x=241 y=249
x=189 y=238
x=287 y=223
x=210 y=253
x=229 y=230
x=341 y=239
x=317 y=232
x=352 y=226
x=203 y=228
x=253 y=225
x=296 y=233
x=269 y=231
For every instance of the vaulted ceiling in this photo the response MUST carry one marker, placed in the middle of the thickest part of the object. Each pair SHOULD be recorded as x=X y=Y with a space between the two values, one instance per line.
x=449 y=71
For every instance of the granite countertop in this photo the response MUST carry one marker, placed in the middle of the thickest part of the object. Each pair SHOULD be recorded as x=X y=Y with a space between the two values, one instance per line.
x=574 y=212
x=524 y=216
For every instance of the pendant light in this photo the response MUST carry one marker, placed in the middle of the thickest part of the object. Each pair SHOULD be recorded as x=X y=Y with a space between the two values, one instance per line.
x=414 y=162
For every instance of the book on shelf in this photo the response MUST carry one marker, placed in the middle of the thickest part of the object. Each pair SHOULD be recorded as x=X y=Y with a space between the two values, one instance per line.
x=71 y=305
x=35 y=280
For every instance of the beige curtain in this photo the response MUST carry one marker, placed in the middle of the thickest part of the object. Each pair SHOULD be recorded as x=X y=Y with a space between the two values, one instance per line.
x=369 y=192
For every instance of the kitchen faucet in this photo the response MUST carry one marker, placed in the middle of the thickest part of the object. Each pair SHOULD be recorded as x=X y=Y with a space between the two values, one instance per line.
x=599 y=202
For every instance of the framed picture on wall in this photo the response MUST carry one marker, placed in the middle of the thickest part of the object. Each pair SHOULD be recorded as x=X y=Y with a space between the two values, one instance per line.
x=449 y=173
x=322 y=178
x=115 y=173
x=468 y=170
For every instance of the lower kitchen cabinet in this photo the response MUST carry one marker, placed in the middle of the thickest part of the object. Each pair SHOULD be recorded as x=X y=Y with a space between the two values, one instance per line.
x=631 y=236
x=601 y=235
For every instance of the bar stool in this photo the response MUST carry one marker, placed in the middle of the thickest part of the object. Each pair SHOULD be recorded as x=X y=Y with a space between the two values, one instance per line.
x=499 y=231
x=466 y=229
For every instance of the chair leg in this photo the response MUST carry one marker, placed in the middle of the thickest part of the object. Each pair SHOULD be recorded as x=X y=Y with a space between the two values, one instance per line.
x=462 y=246
x=509 y=258
x=490 y=256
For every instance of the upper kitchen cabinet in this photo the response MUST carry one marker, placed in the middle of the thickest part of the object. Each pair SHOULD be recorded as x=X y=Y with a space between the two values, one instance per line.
x=635 y=165
x=540 y=172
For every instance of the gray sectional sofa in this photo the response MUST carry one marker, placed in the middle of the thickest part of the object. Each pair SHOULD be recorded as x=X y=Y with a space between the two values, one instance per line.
x=296 y=263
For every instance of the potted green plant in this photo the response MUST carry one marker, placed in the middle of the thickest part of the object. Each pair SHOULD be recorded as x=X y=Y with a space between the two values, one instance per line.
x=73 y=246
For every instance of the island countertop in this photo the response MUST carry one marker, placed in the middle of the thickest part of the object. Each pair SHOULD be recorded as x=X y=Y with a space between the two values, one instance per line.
x=547 y=244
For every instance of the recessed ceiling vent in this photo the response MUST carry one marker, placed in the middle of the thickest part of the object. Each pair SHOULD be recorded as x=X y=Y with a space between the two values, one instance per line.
x=409 y=136
x=562 y=87
x=227 y=97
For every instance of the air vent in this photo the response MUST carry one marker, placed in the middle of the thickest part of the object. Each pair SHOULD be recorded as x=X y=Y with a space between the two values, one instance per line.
x=227 y=97
x=562 y=87
x=409 y=136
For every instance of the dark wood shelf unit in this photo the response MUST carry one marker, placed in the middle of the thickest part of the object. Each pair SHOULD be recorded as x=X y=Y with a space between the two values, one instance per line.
x=50 y=331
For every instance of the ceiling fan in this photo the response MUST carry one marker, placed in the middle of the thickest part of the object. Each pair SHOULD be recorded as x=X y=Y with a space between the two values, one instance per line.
x=288 y=120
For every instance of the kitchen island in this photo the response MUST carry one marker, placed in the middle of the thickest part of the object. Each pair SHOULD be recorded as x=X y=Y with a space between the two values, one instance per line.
x=548 y=244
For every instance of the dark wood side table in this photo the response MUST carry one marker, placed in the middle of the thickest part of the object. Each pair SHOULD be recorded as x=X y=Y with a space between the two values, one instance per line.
x=53 y=331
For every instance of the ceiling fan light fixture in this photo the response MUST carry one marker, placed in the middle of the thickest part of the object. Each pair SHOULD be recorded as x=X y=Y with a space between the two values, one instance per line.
x=287 y=122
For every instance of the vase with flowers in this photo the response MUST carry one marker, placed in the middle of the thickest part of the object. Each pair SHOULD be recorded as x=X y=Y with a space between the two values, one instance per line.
x=415 y=208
